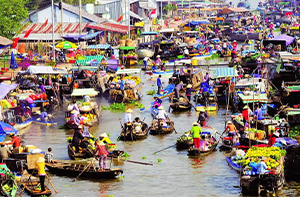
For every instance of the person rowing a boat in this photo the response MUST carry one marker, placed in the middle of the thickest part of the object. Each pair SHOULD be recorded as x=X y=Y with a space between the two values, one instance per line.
x=232 y=131
x=40 y=164
x=44 y=116
x=102 y=154
x=15 y=141
x=202 y=118
x=196 y=132
x=74 y=118
x=162 y=114
x=77 y=137
x=127 y=120
x=157 y=101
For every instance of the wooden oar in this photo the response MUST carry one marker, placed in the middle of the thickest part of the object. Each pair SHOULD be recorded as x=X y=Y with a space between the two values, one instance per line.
x=27 y=180
x=84 y=170
x=131 y=161
x=164 y=149
x=51 y=183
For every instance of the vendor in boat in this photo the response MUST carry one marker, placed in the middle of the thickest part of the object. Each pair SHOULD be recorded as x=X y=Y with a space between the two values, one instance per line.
x=102 y=154
x=40 y=163
x=204 y=90
x=206 y=78
x=188 y=92
x=44 y=116
x=74 y=118
x=158 y=61
x=258 y=115
x=75 y=106
x=157 y=101
x=77 y=137
x=137 y=125
x=159 y=84
x=186 y=52
x=127 y=120
x=232 y=131
x=203 y=144
x=246 y=113
x=161 y=114
x=272 y=138
x=49 y=156
x=15 y=141
x=178 y=88
x=202 y=118
x=196 y=132
x=4 y=151
x=104 y=138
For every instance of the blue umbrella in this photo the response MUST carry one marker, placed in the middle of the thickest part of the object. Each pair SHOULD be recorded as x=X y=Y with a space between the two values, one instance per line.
x=7 y=129
x=13 y=63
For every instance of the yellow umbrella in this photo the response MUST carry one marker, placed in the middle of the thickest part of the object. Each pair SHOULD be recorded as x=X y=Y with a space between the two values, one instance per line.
x=66 y=45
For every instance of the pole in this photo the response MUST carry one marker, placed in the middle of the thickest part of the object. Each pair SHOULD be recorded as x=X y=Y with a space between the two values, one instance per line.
x=62 y=12
x=190 y=15
x=161 y=13
x=128 y=18
x=181 y=10
x=80 y=17
x=53 y=40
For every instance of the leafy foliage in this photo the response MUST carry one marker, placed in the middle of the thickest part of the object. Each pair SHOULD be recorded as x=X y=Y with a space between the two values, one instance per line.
x=12 y=15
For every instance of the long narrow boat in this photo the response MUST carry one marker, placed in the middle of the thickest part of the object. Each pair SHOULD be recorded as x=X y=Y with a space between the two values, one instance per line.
x=233 y=165
x=180 y=104
x=73 y=170
x=168 y=91
x=46 y=123
x=186 y=140
x=196 y=151
x=24 y=124
x=135 y=135
x=157 y=128
x=33 y=188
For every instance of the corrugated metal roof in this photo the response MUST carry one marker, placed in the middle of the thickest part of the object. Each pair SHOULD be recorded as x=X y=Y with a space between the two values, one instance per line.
x=5 y=41
x=40 y=28
x=110 y=27
x=114 y=7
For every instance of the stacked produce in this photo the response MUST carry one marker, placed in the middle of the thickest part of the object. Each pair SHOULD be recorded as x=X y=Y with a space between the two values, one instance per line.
x=8 y=103
x=41 y=96
x=254 y=154
x=294 y=132
x=255 y=134
x=130 y=80
x=186 y=137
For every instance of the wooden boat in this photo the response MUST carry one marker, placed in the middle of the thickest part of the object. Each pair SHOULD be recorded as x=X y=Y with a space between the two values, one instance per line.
x=186 y=141
x=181 y=104
x=157 y=127
x=255 y=184
x=196 y=151
x=33 y=188
x=88 y=154
x=23 y=125
x=162 y=73
x=73 y=170
x=153 y=110
x=233 y=165
x=135 y=135
x=8 y=182
x=46 y=123
x=210 y=107
x=168 y=91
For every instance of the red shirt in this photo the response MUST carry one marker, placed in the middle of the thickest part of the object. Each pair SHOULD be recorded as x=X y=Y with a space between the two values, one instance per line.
x=16 y=142
x=246 y=114
x=272 y=140
x=101 y=150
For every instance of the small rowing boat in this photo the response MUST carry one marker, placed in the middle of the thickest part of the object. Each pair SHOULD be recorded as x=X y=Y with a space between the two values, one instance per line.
x=73 y=170
x=233 y=165
x=135 y=134
x=34 y=189
x=181 y=104
x=168 y=91
x=46 y=123
x=23 y=125
x=157 y=127
x=197 y=151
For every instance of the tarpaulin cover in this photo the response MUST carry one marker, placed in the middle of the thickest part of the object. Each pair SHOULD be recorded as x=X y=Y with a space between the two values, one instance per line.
x=6 y=88
x=288 y=39
x=83 y=92
x=7 y=129
x=225 y=72
x=77 y=38
x=35 y=70
x=195 y=23
x=99 y=46
x=262 y=98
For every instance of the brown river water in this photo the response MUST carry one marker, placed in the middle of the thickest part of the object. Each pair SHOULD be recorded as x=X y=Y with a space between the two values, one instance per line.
x=175 y=175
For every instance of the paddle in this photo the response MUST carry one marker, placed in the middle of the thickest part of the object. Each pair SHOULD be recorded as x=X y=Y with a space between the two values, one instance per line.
x=51 y=183
x=164 y=149
x=27 y=181
x=84 y=169
x=131 y=161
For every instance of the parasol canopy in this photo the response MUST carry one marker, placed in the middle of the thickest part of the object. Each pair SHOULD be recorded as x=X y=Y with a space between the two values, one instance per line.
x=7 y=129
x=66 y=45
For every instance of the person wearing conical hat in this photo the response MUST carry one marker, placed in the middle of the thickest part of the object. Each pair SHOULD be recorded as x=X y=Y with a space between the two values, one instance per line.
x=162 y=114
x=127 y=119
x=102 y=153
x=104 y=138
x=40 y=164
x=196 y=132
x=245 y=114
x=77 y=138
x=202 y=118
x=232 y=131
x=188 y=92
x=74 y=119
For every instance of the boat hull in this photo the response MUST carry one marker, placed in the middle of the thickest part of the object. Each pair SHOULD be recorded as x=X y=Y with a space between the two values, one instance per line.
x=196 y=151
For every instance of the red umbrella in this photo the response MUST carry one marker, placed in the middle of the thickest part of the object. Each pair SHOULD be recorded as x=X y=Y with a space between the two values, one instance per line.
x=288 y=14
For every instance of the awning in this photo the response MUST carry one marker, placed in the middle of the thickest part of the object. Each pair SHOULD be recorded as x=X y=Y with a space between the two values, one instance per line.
x=99 y=46
x=128 y=71
x=134 y=15
x=224 y=72
x=171 y=30
x=76 y=68
x=77 y=38
x=83 y=92
x=149 y=33
x=262 y=98
x=195 y=23
x=6 y=88
x=36 y=70
x=110 y=27
x=127 y=48
x=229 y=10
x=293 y=112
x=288 y=39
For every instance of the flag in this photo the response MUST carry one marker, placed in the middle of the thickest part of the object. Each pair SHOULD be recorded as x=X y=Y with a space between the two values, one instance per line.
x=15 y=42
x=120 y=18
x=28 y=33
x=278 y=65
x=153 y=11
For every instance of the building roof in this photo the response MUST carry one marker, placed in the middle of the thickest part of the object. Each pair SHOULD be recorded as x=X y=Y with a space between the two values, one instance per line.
x=110 y=27
x=229 y=10
x=44 y=32
x=5 y=41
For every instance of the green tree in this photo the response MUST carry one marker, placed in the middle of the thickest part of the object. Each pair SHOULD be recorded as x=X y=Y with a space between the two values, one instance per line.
x=170 y=7
x=12 y=15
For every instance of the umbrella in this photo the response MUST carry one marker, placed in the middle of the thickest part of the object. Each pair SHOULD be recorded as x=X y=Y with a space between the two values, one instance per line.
x=6 y=88
x=7 y=129
x=13 y=63
x=288 y=14
x=66 y=45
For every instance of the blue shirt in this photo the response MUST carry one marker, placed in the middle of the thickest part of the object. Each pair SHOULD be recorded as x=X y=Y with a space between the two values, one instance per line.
x=158 y=82
x=122 y=84
x=43 y=115
x=258 y=113
x=261 y=167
